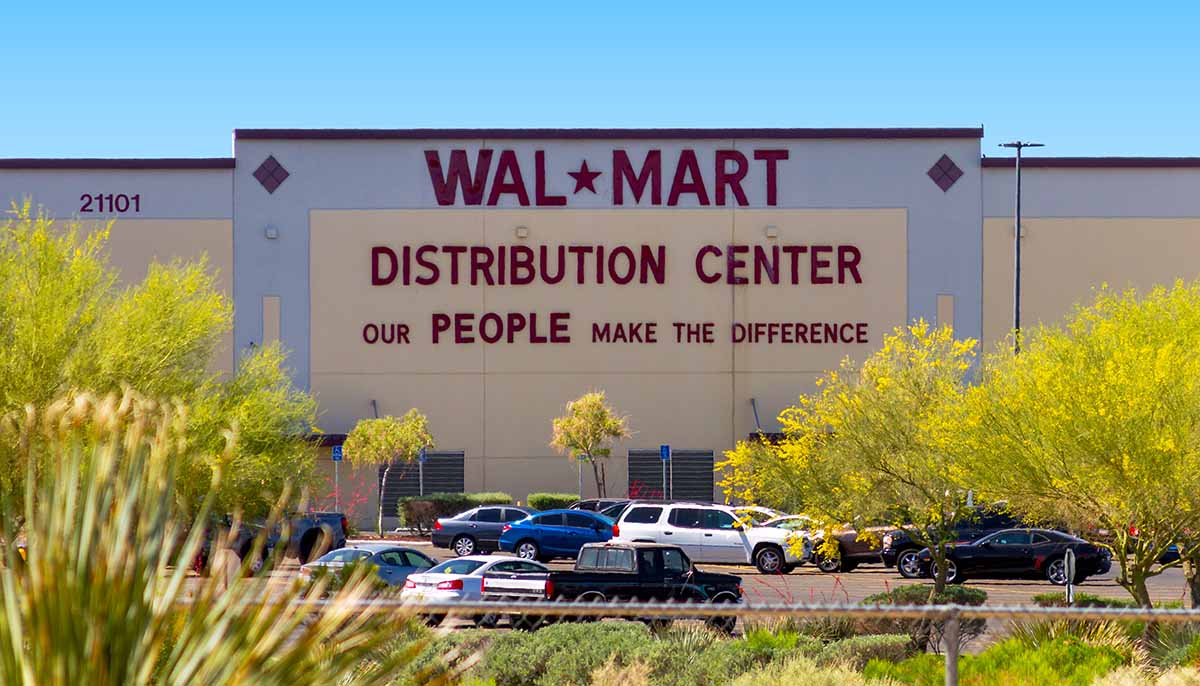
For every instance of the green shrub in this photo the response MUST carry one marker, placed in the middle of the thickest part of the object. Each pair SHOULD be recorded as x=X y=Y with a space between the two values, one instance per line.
x=1081 y=600
x=420 y=512
x=1118 y=635
x=562 y=654
x=925 y=633
x=856 y=652
x=1062 y=662
x=551 y=501
x=800 y=671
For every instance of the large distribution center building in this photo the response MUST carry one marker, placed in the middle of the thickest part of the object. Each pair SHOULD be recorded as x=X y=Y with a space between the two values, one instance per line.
x=703 y=278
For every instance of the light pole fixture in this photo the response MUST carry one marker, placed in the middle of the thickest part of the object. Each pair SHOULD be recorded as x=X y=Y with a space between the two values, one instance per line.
x=1018 y=146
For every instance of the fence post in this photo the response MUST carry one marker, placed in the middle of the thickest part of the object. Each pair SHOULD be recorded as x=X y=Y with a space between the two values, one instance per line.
x=950 y=636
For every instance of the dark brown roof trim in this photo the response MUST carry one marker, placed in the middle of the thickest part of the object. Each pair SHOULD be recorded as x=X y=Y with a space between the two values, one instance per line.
x=1094 y=162
x=327 y=440
x=118 y=163
x=591 y=134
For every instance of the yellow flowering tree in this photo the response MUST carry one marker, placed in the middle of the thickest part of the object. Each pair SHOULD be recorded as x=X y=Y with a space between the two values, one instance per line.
x=387 y=441
x=585 y=432
x=1096 y=424
x=874 y=445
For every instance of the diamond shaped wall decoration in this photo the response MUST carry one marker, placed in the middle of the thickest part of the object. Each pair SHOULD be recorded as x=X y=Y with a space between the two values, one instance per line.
x=270 y=174
x=944 y=173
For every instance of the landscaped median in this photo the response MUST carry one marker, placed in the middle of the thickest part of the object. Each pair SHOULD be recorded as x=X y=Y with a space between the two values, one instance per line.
x=853 y=650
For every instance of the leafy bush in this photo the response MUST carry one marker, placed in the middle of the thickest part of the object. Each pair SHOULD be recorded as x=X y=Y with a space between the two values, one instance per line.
x=801 y=672
x=551 y=501
x=1062 y=662
x=1114 y=634
x=1132 y=676
x=334 y=579
x=562 y=654
x=856 y=652
x=926 y=633
x=420 y=512
x=1081 y=600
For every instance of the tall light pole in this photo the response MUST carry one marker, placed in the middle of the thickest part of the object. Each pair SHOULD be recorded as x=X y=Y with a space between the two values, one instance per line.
x=1018 y=146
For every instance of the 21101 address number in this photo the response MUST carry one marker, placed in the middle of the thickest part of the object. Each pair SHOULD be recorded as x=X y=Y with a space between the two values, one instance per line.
x=118 y=202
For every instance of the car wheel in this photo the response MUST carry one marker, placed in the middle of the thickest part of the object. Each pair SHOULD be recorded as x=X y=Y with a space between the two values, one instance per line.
x=769 y=560
x=829 y=565
x=528 y=550
x=433 y=620
x=1056 y=572
x=314 y=544
x=590 y=597
x=909 y=564
x=952 y=574
x=463 y=545
x=722 y=624
x=486 y=621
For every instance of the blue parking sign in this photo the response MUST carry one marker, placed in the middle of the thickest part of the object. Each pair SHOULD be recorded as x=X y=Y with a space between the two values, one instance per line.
x=664 y=453
x=336 y=453
x=422 y=455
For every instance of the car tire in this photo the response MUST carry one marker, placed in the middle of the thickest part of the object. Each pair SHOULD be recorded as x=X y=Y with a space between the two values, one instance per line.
x=433 y=620
x=725 y=625
x=908 y=563
x=315 y=543
x=257 y=565
x=1056 y=571
x=953 y=576
x=464 y=545
x=769 y=559
x=486 y=621
x=830 y=565
x=590 y=597
x=528 y=550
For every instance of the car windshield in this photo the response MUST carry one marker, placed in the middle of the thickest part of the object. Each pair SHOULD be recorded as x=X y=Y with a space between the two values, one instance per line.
x=457 y=567
x=344 y=555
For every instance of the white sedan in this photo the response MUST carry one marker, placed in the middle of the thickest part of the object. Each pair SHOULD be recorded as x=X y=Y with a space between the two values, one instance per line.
x=461 y=579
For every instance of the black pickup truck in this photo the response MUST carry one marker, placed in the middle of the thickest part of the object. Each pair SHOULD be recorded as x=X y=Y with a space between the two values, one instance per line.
x=618 y=572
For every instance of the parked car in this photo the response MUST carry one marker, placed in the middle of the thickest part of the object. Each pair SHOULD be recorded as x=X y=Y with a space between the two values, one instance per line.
x=753 y=514
x=461 y=579
x=596 y=504
x=900 y=551
x=555 y=533
x=851 y=551
x=713 y=534
x=394 y=562
x=310 y=535
x=620 y=572
x=1024 y=553
x=476 y=531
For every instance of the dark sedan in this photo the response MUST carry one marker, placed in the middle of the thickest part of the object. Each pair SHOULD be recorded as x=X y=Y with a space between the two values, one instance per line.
x=1022 y=553
x=476 y=531
x=900 y=551
x=597 y=504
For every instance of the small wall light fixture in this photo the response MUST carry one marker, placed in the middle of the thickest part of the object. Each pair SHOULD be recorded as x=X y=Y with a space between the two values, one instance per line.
x=522 y=232
x=271 y=232
x=771 y=231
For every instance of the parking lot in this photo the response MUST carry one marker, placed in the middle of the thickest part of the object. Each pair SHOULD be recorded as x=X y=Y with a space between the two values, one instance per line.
x=808 y=585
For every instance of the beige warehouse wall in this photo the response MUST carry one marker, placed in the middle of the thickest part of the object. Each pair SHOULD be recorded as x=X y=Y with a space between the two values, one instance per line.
x=495 y=402
x=1064 y=259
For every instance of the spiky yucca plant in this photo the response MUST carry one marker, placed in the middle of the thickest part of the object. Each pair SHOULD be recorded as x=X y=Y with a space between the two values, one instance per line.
x=104 y=596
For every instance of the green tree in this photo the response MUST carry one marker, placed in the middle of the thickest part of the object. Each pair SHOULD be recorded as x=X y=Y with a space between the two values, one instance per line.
x=387 y=441
x=874 y=445
x=1096 y=424
x=586 y=431
x=67 y=327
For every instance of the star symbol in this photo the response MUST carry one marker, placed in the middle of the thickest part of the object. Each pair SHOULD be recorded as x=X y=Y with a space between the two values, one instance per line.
x=584 y=178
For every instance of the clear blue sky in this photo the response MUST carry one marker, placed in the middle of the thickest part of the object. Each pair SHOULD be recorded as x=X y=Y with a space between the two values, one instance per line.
x=134 y=79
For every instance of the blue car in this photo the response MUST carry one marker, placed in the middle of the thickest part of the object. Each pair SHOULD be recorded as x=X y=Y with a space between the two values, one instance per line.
x=555 y=533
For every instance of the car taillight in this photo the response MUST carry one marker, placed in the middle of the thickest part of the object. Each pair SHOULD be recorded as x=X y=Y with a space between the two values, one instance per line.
x=549 y=588
x=437 y=526
x=616 y=531
x=345 y=528
x=506 y=527
x=409 y=583
x=452 y=585
x=483 y=585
